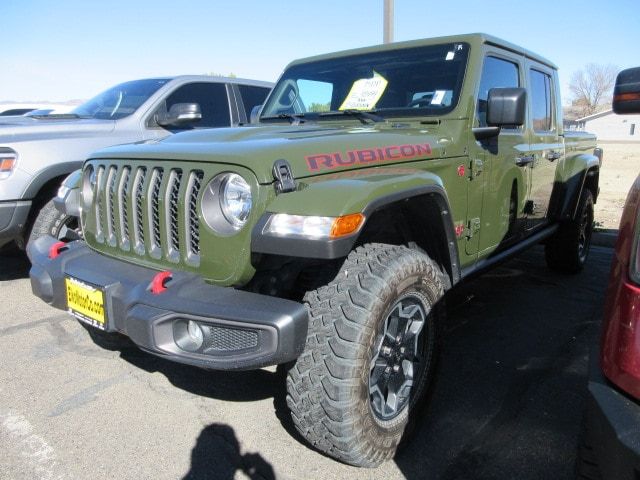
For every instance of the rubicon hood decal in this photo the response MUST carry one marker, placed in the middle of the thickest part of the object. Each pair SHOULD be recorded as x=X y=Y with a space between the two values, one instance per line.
x=329 y=161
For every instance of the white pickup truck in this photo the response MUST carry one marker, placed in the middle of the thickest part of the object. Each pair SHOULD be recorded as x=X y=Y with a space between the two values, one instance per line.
x=38 y=152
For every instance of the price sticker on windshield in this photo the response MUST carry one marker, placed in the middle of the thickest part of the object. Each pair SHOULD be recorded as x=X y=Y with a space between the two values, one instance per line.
x=365 y=93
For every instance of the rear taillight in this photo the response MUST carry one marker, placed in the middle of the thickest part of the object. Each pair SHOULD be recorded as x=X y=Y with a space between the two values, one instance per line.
x=620 y=349
x=634 y=257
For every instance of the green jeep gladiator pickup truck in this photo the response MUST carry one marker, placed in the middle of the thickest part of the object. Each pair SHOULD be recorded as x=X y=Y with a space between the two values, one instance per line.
x=325 y=237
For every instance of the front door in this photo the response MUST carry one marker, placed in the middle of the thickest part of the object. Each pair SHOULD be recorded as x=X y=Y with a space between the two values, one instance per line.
x=506 y=185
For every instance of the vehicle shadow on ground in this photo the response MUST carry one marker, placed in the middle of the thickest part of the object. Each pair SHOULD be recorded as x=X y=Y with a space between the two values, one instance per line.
x=217 y=455
x=511 y=388
x=240 y=386
x=14 y=264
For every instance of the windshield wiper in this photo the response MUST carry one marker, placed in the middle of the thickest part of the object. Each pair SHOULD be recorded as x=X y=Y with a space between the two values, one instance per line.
x=56 y=115
x=294 y=118
x=365 y=117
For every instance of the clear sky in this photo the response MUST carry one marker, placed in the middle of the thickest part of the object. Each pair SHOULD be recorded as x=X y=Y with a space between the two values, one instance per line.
x=68 y=49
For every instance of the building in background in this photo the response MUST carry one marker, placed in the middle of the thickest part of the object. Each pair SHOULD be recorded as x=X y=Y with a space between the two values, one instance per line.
x=608 y=126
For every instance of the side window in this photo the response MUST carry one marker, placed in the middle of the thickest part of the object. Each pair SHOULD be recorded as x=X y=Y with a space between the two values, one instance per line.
x=496 y=73
x=541 y=100
x=213 y=101
x=252 y=96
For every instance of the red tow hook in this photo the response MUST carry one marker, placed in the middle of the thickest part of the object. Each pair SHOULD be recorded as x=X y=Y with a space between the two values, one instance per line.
x=158 y=284
x=56 y=249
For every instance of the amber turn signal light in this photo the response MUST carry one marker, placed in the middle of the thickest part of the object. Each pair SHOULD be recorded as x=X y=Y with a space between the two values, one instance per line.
x=346 y=225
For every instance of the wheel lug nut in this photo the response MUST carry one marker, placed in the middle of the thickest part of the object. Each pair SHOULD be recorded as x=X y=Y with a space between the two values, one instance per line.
x=399 y=339
x=396 y=368
x=402 y=350
x=386 y=351
x=387 y=369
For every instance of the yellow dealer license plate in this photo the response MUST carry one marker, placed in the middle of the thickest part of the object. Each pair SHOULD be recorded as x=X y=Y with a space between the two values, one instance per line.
x=85 y=302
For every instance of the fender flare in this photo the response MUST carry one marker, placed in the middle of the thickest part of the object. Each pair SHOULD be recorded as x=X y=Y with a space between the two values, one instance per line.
x=46 y=175
x=574 y=185
x=338 y=248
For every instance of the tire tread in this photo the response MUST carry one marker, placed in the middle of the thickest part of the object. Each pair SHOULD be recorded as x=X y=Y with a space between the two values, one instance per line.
x=322 y=382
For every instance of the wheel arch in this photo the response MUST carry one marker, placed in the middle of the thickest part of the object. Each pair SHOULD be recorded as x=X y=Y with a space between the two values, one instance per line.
x=424 y=219
x=44 y=181
x=581 y=171
x=43 y=188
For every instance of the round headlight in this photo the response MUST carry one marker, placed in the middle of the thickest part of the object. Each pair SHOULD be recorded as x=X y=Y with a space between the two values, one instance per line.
x=235 y=200
x=226 y=203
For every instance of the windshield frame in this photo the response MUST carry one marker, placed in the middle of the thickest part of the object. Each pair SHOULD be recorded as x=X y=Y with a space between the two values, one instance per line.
x=385 y=112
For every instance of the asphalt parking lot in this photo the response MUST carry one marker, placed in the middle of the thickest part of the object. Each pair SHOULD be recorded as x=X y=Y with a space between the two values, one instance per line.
x=507 y=403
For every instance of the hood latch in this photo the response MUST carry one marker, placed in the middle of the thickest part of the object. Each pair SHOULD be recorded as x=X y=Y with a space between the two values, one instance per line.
x=283 y=177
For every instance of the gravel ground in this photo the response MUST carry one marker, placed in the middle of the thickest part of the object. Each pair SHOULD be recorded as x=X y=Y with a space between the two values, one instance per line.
x=620 y=168
x=507 y=403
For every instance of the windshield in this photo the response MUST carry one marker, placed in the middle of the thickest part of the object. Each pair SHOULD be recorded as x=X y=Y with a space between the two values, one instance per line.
x=412 y=81
x=121 y=100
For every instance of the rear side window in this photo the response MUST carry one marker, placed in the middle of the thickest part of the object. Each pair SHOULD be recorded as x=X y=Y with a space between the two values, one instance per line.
x=212 y=98
x=252 y=96
x=496 y=73
x=541 y=100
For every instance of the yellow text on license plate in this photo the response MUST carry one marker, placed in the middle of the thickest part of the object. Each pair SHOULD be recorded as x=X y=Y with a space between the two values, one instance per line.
x=85 y=300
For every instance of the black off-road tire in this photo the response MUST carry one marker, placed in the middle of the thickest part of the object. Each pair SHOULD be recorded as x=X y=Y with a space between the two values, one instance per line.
x=329 y=385
x=50 y=221
x=568 y=249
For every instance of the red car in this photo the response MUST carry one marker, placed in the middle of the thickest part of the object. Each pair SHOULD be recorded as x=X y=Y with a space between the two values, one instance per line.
x=611 y=444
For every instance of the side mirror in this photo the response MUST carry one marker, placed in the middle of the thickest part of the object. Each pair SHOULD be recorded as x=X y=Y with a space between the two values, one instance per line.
x=255 y=114
x=626 y=93
x=179 y=114
x=506 y=107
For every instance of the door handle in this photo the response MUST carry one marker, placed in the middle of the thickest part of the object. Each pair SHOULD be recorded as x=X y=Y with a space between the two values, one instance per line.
x=552 y=155
x=525 y=160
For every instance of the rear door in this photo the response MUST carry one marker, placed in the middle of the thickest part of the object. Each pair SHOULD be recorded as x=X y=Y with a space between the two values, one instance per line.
x=546 y=147
x=498 y=209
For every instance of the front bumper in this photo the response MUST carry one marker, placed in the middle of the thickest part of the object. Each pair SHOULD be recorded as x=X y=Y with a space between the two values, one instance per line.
x=613 y=426
x=13 y=218
x=245 y=330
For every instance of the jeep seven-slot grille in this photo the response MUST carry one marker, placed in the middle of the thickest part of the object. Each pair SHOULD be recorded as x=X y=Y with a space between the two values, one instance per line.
x=193 y=232
x=171 y=212
x=154 y=212
x=138 y=198
x=124 y=208
x=139 y=209
x=111 y=216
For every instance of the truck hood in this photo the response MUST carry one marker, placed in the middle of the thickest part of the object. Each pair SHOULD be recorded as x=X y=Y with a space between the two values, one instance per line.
x=21 y=129
x=310 y=149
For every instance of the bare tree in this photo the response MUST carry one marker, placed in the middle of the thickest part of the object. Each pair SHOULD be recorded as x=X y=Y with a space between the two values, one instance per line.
x=592 y=86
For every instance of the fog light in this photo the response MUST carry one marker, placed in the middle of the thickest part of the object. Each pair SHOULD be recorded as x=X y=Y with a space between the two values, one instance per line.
x=188 y=335
x=195 y=333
